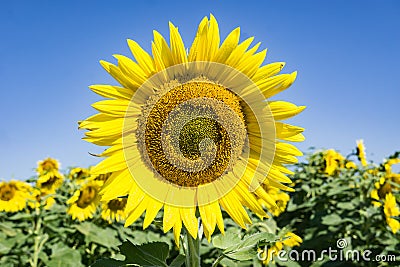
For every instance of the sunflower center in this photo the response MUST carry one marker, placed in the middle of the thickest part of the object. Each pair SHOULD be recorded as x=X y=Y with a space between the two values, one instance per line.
x=49 y=183
x=86 y=197
x=192 y=133
x=7 y=192
x=117 y=204
x=196 y=131
x=48 y=165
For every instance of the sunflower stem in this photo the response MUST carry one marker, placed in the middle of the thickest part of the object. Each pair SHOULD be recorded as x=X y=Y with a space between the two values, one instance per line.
x=192 y=250
x=216 y=262
x=38 y=239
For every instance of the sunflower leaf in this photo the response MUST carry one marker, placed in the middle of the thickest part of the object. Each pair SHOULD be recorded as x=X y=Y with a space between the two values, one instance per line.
x=145 y=255
x=247 y=248
x=64 y=256
x=225 y=241
x=178 y=261
x=105 y=237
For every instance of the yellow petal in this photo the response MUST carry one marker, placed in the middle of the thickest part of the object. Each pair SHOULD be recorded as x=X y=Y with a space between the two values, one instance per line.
x=144 y=60
x=282 y=110
x=171 y=216
x=267 y=71
x=110 y=91
x=275 y=84
x=197 y=44
x=190 y=221
x=163 y=49
x=151 y=212
x=230 y=44
x=177 y=47
x=113 y=163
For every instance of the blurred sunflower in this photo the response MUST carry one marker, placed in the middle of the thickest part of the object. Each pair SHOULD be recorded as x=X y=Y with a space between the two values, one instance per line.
x=391 y=210
x=189 y=129
x=387 y=183
x=291 y=240
x=281 y=199
x=49 y=177
x=83 y=203
x=14 y=195
x=100 y=177
x=41 y=198
x=79 y=175
x=47 y=165
x=333 y=161
x=114 y=210
x=361 y=152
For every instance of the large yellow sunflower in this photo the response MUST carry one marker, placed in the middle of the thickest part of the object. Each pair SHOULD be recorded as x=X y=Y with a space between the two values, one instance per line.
x=14 y=195
x=83 y=203
x=190 y=131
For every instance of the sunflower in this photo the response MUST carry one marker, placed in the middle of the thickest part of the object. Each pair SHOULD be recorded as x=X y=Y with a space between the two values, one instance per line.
x=280 y=198
x=395 y=177
x=49 y=177
x=79 y=175
x=102 y=178
x=333 y=161
x=190 y=131
x=50 y=182
x=391 y=210
x=114 y=210
x=47 y=165
x=14 y=195
x=83 y=203
x=41 y=198
x=291 y=240
x=361 y=152
x=386 y=184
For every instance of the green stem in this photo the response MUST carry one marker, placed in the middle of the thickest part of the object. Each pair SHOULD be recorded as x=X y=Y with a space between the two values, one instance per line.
x=38 y=242
x=192 y=250
x=216 y=262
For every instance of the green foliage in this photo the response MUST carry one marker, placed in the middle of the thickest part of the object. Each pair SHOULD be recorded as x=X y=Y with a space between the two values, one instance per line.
x=325 y=209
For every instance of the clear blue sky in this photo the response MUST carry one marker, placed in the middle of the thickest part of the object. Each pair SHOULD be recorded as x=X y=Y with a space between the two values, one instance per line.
x=346 y=52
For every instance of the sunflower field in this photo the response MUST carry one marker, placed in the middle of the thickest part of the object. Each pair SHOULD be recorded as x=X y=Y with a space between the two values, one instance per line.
x=199 y=169
x=57 y=219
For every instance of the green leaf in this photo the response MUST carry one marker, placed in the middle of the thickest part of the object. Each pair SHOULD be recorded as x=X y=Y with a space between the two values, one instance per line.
x=108 y=263
x=150 y=254
x=7 y=228
x=331 y=219
x=6 y=244
x=145 y=255
x=63 y=256
x=105 y=237
x=345 y=206
x=225 y=241
x=178 y=261
x=247 y=248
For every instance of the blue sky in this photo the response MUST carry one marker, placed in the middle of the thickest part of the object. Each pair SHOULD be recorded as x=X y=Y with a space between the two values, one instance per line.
x=346 y=54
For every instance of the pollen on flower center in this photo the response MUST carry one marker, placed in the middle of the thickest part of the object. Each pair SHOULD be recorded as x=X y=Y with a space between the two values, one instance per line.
x=7 y=192
x=192 y=133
